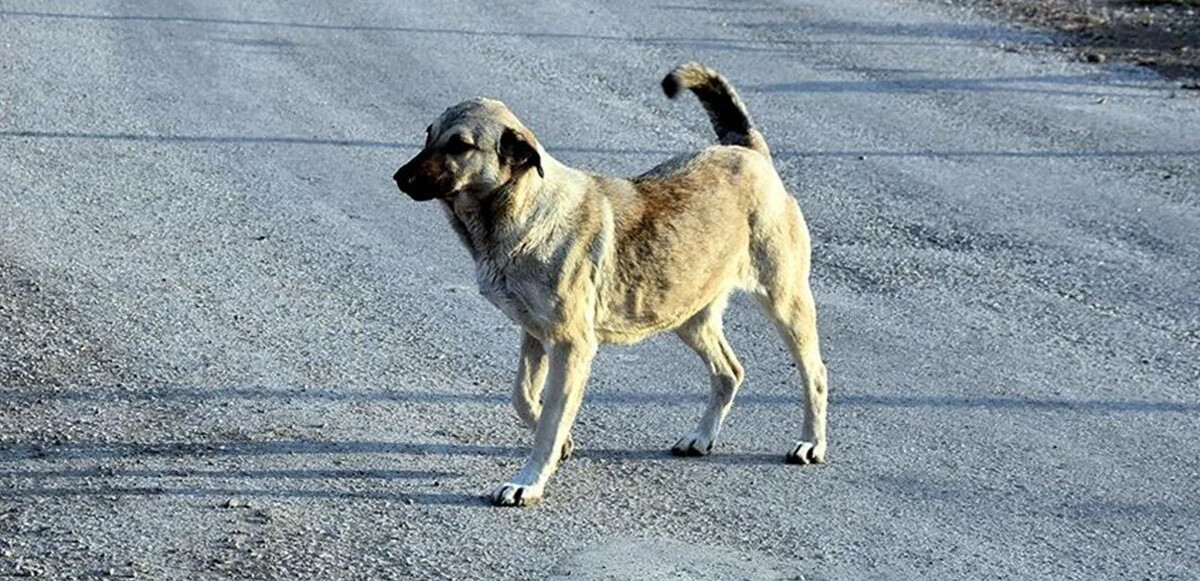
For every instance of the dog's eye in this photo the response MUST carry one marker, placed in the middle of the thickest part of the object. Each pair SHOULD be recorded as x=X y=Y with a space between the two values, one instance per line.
x=457 y=145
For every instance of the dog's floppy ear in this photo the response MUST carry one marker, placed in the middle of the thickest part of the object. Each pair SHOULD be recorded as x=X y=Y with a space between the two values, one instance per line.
x=517 y=147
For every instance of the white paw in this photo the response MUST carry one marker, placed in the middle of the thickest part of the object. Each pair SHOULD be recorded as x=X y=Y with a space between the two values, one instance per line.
x=807 y=453
x=694 y=444
x=513 y=494
x=568 y=448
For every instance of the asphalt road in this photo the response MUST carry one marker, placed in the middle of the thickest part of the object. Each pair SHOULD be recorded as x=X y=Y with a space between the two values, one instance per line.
x=230 y=349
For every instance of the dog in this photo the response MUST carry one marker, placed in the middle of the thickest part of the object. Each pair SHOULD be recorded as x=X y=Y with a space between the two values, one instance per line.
x=578 y=260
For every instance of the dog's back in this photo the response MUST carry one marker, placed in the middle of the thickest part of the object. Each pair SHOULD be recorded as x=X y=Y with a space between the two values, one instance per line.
x=685 y=233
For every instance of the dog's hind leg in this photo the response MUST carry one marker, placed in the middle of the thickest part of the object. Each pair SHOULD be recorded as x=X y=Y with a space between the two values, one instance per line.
x=527 y=388
x=704 y=335
x=782 y=263
x=794 y=313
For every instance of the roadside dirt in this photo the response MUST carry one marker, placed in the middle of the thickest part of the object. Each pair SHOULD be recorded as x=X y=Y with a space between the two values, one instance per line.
x=1160 y=34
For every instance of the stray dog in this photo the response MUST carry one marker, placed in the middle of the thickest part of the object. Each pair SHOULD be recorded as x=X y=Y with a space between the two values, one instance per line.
x=578 y=259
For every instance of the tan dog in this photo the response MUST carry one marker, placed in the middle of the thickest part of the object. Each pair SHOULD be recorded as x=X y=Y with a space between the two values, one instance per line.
x=578 y=259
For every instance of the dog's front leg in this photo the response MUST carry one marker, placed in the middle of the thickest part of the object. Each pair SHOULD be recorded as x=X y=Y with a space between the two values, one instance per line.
x=570 y=364
x=527 y=388
x=531 y=377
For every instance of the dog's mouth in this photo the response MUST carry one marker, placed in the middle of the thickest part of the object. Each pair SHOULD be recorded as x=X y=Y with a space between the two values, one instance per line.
x=421 y=190
x=425 y=195
x=418 y=195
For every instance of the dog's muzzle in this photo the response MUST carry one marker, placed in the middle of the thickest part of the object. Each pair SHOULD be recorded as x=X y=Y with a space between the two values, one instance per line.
x=408 y=179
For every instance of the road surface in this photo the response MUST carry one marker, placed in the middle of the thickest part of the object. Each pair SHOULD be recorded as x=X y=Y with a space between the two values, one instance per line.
x=230 y=349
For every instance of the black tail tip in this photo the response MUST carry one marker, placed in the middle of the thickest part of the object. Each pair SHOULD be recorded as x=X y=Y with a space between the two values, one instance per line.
x=671 y=85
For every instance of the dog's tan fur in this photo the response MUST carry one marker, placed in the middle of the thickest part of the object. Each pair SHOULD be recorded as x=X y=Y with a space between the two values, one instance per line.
x=578 y=259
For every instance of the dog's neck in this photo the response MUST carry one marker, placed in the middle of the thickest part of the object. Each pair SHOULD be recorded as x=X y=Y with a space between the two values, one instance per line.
x=517 y=218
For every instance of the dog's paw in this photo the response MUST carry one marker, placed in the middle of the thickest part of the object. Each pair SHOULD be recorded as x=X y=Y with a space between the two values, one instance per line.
x=513 y=494
x=807 y=453
x=568 y=448
x=693 y=444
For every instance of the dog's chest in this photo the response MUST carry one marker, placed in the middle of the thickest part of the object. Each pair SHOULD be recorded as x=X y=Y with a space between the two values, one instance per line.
x=509 y=288
x=515 y=283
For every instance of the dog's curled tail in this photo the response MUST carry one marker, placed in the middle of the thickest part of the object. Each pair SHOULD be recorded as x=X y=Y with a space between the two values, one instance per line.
x=725 y=109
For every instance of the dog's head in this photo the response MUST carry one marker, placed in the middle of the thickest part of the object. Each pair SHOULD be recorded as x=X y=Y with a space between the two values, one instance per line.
x=475 y=147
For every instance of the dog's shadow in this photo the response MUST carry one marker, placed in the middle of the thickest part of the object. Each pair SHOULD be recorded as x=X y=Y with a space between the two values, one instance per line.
x=58 y=472
x=77 y=469
x=618 y=455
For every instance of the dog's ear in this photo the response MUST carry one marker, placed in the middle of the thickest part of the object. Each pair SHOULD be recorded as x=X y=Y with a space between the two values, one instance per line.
x=517 y=147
